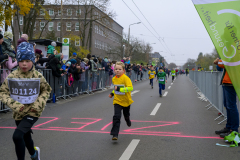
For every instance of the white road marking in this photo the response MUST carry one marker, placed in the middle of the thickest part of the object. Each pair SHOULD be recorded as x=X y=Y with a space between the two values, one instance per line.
x=165 y=94
x=169 y=87
x=129 y=150
x=171 y=83
x=155 y=109
x=135 y=92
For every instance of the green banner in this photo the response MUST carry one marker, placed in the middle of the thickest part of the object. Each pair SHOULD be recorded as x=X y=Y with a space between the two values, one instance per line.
x=222 y=21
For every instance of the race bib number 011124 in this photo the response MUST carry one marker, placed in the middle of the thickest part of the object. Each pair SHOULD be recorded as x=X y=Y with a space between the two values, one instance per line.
x=25 y=91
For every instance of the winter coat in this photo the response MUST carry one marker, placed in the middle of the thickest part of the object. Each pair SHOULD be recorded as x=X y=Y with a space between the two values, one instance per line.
x=53 y=64
x=38 y=105
x=104 y=64
x=75 y=72
x=8 y=65
x=51 y=49
x=6 y=47
x=2 y=57
x=83 y=74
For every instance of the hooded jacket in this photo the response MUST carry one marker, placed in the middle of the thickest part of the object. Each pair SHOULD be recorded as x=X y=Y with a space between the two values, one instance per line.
x=6 y=47
x=51 y=49
x=38 y=105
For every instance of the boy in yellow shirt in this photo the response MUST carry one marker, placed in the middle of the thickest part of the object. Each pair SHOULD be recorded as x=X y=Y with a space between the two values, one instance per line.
x=151 y=75
x=122 y=98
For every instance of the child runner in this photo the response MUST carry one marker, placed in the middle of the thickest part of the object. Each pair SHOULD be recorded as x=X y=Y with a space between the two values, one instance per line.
x=173 y=73
x=122 y=98
x=151 y=75
x=25 y=115
x=161 y=78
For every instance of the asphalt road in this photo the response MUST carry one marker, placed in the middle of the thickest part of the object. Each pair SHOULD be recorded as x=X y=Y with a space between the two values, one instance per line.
x=174 y=127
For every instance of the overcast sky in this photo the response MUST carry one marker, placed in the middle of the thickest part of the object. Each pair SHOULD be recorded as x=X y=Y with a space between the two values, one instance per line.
x=177 y=21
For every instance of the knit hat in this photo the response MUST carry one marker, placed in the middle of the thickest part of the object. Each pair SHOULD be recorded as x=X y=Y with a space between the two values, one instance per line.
x=8 y=35
x=38 y=51
x=73 y=61
x=1 y=36
x=54 y=44
x=85 y=60
x=25 y=51
x=24 y=36
x=74 y=54
x=69 y=63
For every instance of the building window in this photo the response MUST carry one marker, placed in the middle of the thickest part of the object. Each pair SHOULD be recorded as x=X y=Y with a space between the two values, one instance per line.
x=78 y=12
x=69 y=12
x=59 y=26
x=96 y=28
x=68 y=26
x=21 y=20
x=58 y=39
x=77 y=26
x=77 y=42
x=42 y=12
x=42 y=25
x=98 y=44
x=50 y=26
x=34 y=28
x=95 y=43
x=105 y=46
x=59 y=12
x=51 y=12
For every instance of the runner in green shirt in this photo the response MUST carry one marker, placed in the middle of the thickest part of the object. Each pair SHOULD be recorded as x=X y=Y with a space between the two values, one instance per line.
x=173 y=73
x=161 y=78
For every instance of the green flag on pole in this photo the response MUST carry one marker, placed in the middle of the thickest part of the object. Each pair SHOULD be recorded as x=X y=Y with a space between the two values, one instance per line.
x=221 y=18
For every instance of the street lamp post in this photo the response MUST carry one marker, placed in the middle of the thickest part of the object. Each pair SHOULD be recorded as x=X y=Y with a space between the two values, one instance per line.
x=129 y=36
x=61 y=23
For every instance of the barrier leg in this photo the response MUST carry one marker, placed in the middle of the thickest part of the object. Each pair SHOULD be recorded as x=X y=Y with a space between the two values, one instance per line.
x=222 y=121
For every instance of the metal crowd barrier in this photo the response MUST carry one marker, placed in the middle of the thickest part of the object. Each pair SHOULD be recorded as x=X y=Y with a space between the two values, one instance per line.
x=89 y=82
x=207 y=85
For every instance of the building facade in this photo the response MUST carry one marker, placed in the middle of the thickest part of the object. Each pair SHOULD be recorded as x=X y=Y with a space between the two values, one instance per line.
x=85 y=25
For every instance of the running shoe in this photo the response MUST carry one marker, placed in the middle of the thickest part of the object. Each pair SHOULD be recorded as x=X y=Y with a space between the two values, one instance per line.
x=152 y=87
x=115 y=137
x=224 y=130
x=37 y=157
x=222 y=135
x=129 y=123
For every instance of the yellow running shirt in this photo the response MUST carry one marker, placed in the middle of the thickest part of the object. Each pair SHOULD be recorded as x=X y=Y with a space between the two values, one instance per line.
x=121 y=98
x=151 y=74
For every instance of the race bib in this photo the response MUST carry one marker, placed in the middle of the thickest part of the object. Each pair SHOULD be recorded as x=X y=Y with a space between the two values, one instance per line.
x=152 y=74
x=161 y=79
x=173 y=74
x=117 y=92
x=23 y=90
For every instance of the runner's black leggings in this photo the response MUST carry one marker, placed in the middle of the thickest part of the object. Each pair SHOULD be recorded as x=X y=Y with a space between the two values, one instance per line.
x=21 y=141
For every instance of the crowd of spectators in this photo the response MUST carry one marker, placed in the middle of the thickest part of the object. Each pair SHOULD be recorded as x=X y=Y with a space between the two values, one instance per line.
x=74 y=68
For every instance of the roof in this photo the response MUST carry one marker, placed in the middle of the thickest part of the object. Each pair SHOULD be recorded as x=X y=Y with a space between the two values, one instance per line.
x=45 y=42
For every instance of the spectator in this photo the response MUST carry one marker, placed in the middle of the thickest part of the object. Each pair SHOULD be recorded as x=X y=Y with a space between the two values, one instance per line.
x=230 y=102
x=3 y=58
x=54 y=65
x=7 y=49
x=24 y=38
x=37 y=65
x=51 y=49
x=75 y=70
x=39 y=52
x=74 y=56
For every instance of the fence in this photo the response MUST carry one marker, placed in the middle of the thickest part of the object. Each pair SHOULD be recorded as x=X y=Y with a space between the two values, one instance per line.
x=209 y=89
x=88 y=83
